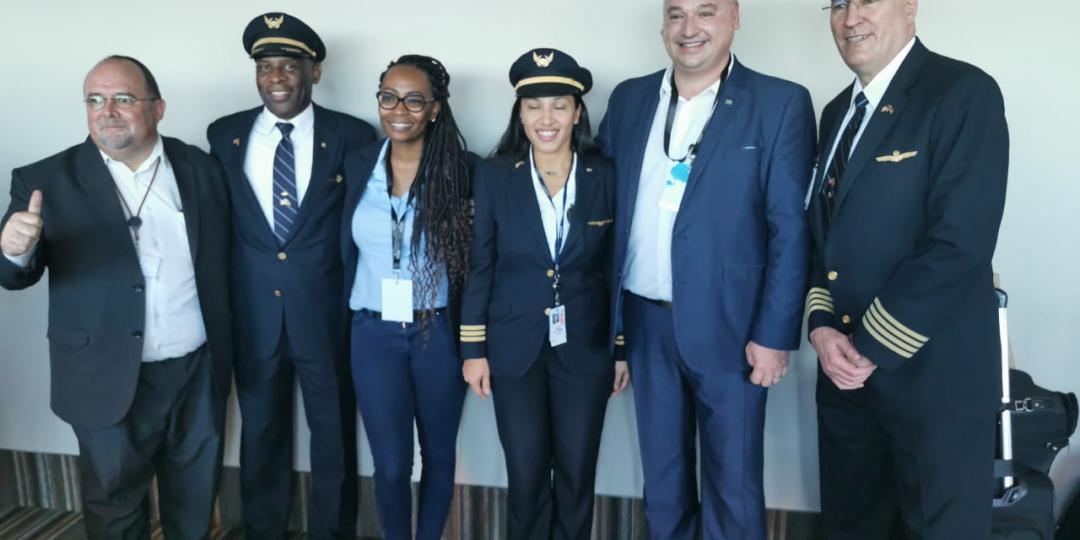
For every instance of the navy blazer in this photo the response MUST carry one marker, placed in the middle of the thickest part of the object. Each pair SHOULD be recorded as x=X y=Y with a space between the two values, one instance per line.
x=740 y=244
x=97 y=300
x=359 y=165
x=509 y=291
x=906 y=264
x=296 y=286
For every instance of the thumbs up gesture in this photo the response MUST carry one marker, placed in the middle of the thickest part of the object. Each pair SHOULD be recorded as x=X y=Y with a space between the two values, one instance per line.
x=23 y=229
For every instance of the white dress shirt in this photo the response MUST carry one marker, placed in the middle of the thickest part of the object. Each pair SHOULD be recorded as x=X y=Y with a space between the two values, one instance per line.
x=553 y=208
x=873 y=92
x=262 y=145
x=647 y=271
x=174 y=322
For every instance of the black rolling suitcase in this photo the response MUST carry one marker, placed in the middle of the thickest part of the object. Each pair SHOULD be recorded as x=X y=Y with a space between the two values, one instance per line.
x=1024 y=506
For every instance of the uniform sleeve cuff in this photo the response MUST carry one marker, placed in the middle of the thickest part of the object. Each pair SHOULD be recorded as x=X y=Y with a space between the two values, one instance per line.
x=473 y=341
x=885 y=340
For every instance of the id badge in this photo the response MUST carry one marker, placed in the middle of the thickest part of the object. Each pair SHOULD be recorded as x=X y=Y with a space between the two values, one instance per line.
x=557 y=326
x=397 y=300
x=674 y=187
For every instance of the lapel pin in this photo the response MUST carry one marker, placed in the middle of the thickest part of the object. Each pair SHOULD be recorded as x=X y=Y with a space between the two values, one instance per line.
x=519 y=164
x=888 y=109
x=322 y=144
x=728 y=101
x=236 y=141
x=338 y=179
x=588 y=169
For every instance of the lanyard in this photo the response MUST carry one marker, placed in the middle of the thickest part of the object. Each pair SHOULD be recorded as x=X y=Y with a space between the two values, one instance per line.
x=560 y=224
x=135 y=218
x=397 y=229
x=672 y=104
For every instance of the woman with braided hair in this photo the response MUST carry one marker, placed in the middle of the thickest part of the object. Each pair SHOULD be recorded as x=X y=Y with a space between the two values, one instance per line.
x=405 y=237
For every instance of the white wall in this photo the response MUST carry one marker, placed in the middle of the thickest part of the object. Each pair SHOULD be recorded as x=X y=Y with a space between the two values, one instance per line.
x=194 y=49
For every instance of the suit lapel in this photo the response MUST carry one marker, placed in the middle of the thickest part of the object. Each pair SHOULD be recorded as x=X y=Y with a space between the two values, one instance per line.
x=642 y=126
x=521 y=184
x=821 y=170
x=732 y=94
x=881 y=123
x=188 y=185
x=98 y=184
x=236 y=152
x=585 y=182
x=326 y=145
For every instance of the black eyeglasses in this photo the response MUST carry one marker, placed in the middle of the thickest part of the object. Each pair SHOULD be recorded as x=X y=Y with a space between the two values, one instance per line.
x=413 y=102
x=840 y=6
x=98 y=102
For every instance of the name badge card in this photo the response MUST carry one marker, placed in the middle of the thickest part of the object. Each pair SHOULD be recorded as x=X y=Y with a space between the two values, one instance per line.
x=397 y=300
x=674 y=187
x=557 y=326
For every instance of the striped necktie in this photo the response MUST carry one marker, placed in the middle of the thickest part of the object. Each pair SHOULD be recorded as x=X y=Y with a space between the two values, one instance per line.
x=841 y=156
x=285 y=201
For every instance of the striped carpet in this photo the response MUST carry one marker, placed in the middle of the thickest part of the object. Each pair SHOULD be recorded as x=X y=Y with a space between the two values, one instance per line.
x=39 y=499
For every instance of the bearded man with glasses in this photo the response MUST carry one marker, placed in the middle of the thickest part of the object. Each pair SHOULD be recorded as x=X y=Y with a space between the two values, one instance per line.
x=133 y=228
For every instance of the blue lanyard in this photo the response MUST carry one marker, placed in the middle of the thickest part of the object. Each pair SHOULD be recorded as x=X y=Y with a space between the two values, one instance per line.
x=560 y=225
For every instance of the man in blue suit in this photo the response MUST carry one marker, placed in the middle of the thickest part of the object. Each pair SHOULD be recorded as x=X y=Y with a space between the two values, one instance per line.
x=904 y=212
x=284 y=162
x=711 y=253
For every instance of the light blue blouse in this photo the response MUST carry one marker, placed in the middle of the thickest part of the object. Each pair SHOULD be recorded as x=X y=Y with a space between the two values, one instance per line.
x=371 y=231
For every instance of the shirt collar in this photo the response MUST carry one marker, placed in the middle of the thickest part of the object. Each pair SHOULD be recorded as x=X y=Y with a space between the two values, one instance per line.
x=304 y=122
x=665 y=82
x=880 y=83
x=379 y=173
x=147 y=164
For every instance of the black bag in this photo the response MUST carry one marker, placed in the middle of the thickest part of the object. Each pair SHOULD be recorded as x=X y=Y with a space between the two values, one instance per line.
x=1024 y=509
x=1070 y=523
x=1042 y=421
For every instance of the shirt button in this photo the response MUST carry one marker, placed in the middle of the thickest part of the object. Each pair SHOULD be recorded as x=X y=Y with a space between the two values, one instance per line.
x=833 y=276
x=550 y=273
x=137 y=335
x=278 y=293
x=282 y=256
x=846 y=319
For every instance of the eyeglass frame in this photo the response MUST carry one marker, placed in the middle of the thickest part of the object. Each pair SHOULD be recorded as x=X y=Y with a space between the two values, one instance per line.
x=837 y=5
x=402 y=100
x=115 y=98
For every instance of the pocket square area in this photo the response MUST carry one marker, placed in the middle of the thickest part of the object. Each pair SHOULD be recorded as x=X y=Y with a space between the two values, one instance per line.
x=897 y=156
x=600 y=222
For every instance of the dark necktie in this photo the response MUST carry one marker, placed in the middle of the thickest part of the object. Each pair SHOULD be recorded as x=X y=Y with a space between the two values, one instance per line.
x=841 y=156
x=285 y=201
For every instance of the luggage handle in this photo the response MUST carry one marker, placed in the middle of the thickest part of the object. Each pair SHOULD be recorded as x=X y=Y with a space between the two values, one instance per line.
x=1008 y=480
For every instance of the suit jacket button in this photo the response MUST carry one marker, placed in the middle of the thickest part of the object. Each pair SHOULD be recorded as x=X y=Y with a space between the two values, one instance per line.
x=550 y=273
x=282 y=256
x=846 y=319
x=547 y=311
x=278 y=293
x=136 y=335
x=833 y=276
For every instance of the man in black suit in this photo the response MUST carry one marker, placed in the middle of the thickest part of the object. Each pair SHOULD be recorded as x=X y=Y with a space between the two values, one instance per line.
x=133 y=228
x=904 y=210
x=285 y=170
